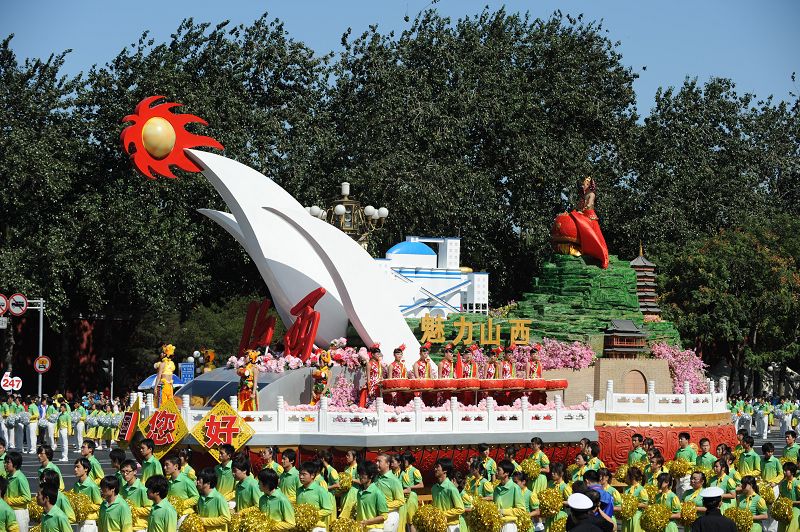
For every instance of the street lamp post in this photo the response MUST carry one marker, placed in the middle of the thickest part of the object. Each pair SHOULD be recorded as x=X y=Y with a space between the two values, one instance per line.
x=347 y=214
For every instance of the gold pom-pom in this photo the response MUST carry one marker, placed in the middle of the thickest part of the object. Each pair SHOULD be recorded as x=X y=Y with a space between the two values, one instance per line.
x=550 y=502
x=766 y=492
x=571 y=469
x=559 y=525
x=655 y=518
x=652 y=491
x=177 y=503
x=252 y=519
x=524 y=521
x=622 y=474
x=192 y=523
x=679 y=468
x=81 y=505
x=484 y=517
x=345 y=483
x=344 y=525
x=35 y=511
x=629 y=506
x=531 y=468
x=742 y=518
x=37 y=528
x=305 y=518
x=688 y=513
x=430 y=519
x=782 y=510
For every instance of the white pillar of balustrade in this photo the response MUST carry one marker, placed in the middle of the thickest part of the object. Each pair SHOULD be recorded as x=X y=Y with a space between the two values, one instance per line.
x=281 y=414
x=526 y=416
x=610 y=396
x=323 y=416
x=651 y=396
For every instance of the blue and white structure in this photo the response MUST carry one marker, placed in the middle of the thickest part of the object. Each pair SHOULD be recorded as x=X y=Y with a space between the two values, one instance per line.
x=433 y=282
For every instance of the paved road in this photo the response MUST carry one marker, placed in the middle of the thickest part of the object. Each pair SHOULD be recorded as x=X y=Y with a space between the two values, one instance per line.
x=30 y=466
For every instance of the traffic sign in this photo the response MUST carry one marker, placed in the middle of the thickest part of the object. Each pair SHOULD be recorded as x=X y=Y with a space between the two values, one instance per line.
x=17 y=305
x=9 y=383
x=42 y=364
x=3 y=304
x=187 y=372
x=3 y=323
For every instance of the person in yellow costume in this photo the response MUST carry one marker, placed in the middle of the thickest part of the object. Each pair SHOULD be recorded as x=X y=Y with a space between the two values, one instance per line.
x=248 y=379
x=165 y=367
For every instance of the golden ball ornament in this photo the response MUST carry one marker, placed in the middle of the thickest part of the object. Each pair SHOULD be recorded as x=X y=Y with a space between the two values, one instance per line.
x=622 y=474
x=158 y=137
x=742 y=518
x=344 y=525
x=484 y=517
x=531 y=468
x=559 y=525
x=35 y=511
x=782 y=510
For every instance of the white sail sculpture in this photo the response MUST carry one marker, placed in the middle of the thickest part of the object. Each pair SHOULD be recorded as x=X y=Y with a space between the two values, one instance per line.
x=296 y=253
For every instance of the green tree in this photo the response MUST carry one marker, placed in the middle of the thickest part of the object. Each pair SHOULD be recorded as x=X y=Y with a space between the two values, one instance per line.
x=735 y=295
x=474 y=128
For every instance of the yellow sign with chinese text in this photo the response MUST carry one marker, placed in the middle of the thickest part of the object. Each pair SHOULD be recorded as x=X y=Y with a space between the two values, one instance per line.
x=165 y=427
x=221 y=425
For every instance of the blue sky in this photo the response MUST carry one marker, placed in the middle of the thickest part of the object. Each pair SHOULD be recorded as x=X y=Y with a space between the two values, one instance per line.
x=757 y=44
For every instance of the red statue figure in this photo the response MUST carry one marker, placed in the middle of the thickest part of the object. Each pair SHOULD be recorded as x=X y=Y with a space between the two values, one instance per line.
x=258 y=327
x=578 y=232
x=299 y=339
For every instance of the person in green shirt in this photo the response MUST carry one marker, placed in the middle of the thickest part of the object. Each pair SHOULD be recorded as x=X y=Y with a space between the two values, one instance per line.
x=792 y=448
x=507 y=495
x=289 y=480
x=312 y=493
x=705 y=459
x=53 y=519
x=117 y=457
x=87 y=486
x=2 y=452
x=63 y=504
x=489 y=465
x=393 y=491
x=18 y=493
x=771 y=470
x=225 y=481
x=115 y=514
x=45 y=455
x=33 y=413
x=8 y=519
x=80 y=426
x=96 y=470
x=184 y=456
x=64 y=426
x=163 y=517
x=372 y=512
x=49 y=413
x=180 y=486
x=212 y=507
x=150 y=466
x=685 y=452
x=135 y=494
x=273 y=502
x=268 y=454
x=247 y=492
x=444 y=494
x=749 y=463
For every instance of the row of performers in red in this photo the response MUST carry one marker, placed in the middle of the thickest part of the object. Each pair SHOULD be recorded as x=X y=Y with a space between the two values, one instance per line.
x=500 y=364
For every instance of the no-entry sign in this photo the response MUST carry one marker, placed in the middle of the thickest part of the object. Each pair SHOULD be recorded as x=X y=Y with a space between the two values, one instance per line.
x=3 y=304
x=42 y=364
x=17 y=305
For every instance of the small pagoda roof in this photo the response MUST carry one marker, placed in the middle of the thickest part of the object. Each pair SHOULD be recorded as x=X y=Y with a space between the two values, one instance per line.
x=641 y=261
x=624 y=350
x=624 y=328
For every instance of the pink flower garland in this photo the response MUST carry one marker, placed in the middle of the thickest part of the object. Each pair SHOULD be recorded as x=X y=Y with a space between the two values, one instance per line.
x=684 y=365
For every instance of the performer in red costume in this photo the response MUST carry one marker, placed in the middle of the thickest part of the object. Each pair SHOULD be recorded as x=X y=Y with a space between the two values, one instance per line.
x=446 y=370
x=467 y=368
x=397 y=369
x=591 y=237
x=374 y=376
x=424 y=368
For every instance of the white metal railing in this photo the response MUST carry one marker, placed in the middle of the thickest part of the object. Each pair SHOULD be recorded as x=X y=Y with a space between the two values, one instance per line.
x=713 y=401
x=455 y=418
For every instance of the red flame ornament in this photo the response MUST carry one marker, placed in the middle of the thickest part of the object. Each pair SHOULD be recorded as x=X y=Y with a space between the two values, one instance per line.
x=156 y=139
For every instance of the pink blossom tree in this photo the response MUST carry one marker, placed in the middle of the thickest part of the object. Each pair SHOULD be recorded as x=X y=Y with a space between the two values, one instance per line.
x=684 y=365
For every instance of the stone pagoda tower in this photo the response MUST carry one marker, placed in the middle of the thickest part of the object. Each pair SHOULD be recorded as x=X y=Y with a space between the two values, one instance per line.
x=646 y=284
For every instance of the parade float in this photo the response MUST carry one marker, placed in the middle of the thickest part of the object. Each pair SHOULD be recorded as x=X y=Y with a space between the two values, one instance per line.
x=425 y=367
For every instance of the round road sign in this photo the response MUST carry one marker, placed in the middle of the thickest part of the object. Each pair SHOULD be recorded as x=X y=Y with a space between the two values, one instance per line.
x=3 y=304
x=17 y=305
x=42 y=364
